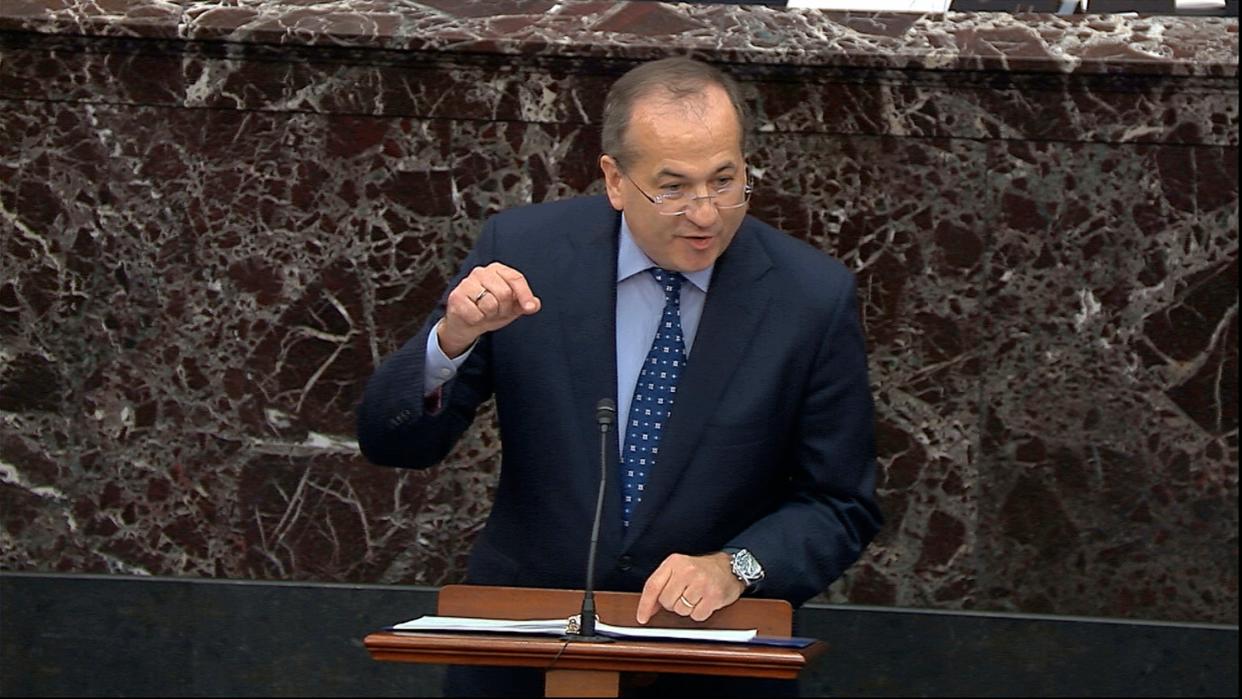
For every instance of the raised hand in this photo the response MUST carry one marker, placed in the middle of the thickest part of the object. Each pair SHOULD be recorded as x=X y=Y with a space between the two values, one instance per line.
x=487 y=299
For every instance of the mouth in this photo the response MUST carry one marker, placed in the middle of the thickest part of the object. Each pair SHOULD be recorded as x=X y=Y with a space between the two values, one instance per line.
x=699 y=242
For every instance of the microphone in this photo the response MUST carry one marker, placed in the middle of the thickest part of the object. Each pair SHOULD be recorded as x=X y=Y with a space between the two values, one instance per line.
x=605 y=416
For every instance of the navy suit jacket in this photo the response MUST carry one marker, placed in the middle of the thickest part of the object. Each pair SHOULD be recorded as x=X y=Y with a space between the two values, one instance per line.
x=770 y=446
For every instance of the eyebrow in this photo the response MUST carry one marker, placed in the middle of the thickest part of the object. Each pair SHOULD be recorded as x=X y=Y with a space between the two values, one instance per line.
x=665 y=172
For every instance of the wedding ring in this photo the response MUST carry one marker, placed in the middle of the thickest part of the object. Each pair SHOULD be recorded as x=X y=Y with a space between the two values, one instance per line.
x=687 y=602
x=480 y=295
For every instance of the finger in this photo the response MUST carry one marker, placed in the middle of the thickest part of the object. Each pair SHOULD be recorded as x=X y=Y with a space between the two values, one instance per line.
x=491 y=292
x=487 y=303
x=680 y=603
x=470 y=289
x=686 y=604
x=484 y=282
x=462 y=307
x=649 y=602
x=703 y=610
x=720 y=588
x=519 y=287
x=681 y=574
x=486 y=291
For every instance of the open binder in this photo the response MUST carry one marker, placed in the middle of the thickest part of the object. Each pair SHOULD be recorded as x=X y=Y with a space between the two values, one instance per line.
x=560 y=627
x=571 y=625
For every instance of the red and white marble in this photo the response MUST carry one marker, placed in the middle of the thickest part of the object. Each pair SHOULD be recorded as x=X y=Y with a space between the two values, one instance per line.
x=215 y=217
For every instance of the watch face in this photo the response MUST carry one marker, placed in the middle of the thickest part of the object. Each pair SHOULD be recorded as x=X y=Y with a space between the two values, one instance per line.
x=746 y=567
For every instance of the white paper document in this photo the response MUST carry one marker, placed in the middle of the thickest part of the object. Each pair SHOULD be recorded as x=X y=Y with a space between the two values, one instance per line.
x=557 y=627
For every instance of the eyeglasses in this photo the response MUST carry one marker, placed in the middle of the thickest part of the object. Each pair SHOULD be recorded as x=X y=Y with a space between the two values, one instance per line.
x=731 y=195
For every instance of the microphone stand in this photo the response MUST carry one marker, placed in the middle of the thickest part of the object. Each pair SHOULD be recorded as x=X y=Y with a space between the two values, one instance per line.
x=605 y=415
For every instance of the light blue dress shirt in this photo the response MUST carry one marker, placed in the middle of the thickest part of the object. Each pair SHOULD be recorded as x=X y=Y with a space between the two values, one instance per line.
x=640 y=303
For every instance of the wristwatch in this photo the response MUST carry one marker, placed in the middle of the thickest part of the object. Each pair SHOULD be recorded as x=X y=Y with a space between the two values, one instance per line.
x=746 y=567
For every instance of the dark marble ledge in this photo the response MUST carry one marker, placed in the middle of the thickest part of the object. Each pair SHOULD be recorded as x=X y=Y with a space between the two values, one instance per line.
x=638 y=31
x=246 y=583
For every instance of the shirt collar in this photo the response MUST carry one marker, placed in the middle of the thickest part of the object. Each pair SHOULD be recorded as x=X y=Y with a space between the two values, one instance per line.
x=632 y=260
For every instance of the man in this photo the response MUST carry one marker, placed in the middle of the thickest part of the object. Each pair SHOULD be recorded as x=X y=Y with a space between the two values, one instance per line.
x=744 y=457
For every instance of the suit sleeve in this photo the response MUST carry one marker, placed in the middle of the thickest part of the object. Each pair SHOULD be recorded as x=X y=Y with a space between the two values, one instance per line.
x=830 y=514
x=394 y=428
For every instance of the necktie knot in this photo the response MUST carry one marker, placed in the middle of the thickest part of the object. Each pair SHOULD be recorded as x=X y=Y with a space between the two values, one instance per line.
x=670 y=282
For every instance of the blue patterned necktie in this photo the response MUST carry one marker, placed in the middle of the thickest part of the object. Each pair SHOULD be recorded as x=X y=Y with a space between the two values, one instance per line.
x=653 y=395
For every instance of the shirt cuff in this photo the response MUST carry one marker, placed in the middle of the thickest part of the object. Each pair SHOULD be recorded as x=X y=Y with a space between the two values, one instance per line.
x=438 y=368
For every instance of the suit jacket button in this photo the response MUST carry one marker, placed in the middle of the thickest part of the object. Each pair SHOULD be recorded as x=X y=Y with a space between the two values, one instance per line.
x=625 y=562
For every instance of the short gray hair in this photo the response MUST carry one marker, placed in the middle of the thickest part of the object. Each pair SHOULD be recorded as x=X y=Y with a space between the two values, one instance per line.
x=678 y=78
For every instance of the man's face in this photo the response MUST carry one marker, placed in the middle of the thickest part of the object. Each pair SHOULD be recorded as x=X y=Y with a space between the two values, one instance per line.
x=692 y=146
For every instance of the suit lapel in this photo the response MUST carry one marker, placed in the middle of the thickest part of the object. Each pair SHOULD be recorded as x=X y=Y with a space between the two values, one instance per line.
x=735 y=302
x=588 y=325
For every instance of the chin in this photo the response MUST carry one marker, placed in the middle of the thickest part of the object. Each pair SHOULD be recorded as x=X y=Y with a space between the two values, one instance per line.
x=698 y=262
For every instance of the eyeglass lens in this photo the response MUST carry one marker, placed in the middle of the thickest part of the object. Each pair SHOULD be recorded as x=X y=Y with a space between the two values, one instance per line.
x=730 y=197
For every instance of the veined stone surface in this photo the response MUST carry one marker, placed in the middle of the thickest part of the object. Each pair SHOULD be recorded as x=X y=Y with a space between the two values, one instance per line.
x=216 y=217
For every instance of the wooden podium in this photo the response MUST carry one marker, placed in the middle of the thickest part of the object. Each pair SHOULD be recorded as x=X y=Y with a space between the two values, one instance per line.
x=595 y=669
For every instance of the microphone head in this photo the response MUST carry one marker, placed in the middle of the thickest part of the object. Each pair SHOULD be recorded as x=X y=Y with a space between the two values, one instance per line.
x=606 y=411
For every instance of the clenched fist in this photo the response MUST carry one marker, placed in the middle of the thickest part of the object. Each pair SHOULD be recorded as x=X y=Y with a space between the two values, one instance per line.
x=489 y=298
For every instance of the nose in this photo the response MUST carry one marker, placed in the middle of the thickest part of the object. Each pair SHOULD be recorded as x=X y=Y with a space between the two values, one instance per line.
x=702 y=211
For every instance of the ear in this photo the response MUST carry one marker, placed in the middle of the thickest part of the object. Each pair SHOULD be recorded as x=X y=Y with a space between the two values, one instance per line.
x=612 y=181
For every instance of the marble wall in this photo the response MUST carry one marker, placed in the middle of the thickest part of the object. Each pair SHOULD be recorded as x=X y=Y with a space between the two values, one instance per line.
x=216 y=217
